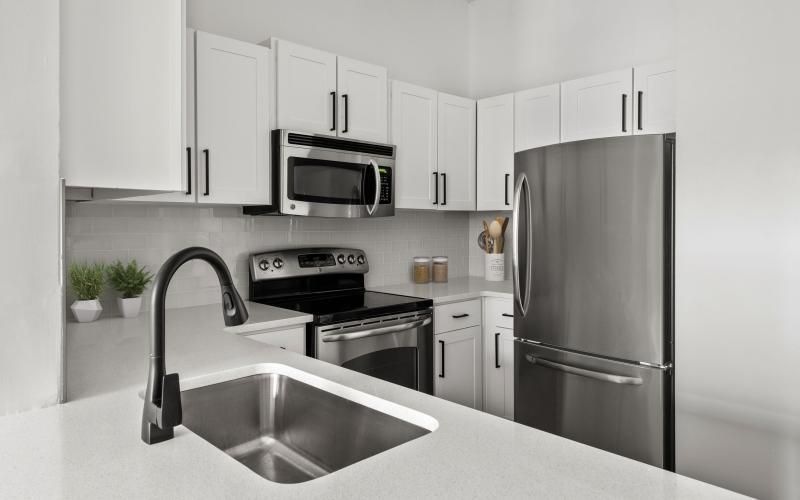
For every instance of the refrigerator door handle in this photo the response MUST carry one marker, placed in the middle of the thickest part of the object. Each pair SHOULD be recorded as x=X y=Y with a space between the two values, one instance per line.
x=522 y=302
x=604 y=377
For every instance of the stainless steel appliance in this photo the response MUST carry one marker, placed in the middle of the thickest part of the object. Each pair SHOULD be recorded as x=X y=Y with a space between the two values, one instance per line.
x=324 y=176
x=381 y=334
x=593 y=289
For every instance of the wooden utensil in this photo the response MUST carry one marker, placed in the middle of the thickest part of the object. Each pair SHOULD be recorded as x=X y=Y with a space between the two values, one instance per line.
x=496 y=232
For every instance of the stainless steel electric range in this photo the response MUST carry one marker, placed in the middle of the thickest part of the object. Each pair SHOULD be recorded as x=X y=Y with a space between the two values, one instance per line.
x=380 y=334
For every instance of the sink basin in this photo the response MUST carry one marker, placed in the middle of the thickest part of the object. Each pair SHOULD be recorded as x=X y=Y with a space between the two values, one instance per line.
x=289 y=426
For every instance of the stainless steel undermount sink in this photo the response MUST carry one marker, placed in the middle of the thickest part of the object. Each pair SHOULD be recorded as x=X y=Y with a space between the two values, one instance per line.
x=289 y=426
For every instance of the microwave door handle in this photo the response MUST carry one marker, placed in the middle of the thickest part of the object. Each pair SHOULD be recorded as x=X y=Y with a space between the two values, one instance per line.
x=376 y=170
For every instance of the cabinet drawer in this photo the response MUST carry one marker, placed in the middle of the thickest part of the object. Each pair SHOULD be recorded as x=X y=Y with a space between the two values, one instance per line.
x=457 y=315
x=293 y=339
x=499 y=313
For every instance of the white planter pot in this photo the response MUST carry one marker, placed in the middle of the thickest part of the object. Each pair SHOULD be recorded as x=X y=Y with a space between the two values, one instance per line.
x=129 y=308
x=86 y=311
x=495 y=269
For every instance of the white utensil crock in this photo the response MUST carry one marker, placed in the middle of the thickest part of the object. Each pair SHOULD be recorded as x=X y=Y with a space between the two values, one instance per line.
x=495 y=269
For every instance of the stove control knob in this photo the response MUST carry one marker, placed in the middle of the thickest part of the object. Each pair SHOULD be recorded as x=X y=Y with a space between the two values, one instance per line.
x=361 y=259
x=340 y=258
x=351 y=259
x=277 y=263
x=263 y=264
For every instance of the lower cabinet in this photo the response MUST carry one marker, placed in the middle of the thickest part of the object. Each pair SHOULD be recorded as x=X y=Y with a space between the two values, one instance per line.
x=293 y=339
x=458 y=374
x=498 y=372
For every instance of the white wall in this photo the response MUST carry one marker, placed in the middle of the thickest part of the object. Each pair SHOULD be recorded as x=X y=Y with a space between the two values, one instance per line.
x=30 y=296
x=420 y=41
x=738 y=245
x=518 y=44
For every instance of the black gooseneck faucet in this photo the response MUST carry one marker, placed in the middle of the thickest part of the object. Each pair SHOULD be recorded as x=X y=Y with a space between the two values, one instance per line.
x=162 y=399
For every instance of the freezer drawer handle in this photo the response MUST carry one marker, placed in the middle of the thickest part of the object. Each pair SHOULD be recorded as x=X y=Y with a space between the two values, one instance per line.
x=605 y=377
x=377 y=331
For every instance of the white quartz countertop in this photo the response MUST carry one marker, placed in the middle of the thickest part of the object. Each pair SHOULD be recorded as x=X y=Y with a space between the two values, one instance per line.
x=455 y=290
x=91 y=448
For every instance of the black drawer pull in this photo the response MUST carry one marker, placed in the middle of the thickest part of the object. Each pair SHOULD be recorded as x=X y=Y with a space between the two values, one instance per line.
x=624 y=112
x=506 y=189
x=188 y=170
x=497 y=350
x=441 y=372
x=459 y=316
x=436 y=187
x=333 y=112
x=208 y=181
x=506 y=315
x=639 y=110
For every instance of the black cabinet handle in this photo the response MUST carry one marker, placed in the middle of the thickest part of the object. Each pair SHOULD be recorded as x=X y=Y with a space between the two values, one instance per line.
x=208 y=189
x=441 y=372
x=624 y=114
x=333 y=113
x=506 y=315
x=444 y=190
x=497 y=350
x=459 y=316
x=436 y=187
x=506 y=189
x=639 y=110
x=344 y=130
x=188 y=170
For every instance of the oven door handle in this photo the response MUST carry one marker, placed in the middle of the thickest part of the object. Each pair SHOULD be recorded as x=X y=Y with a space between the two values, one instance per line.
x=373 y=332
x=376 y=169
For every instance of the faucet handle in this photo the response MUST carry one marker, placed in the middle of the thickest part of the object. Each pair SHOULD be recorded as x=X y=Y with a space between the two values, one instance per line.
x=171 y=411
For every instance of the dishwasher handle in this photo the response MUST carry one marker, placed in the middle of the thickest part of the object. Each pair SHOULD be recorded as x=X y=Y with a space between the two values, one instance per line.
x=373 y=332
x=583 y=372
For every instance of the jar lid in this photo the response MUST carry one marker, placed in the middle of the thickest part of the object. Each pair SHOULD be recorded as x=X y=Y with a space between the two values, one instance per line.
x=440 y=258
x=422 y=260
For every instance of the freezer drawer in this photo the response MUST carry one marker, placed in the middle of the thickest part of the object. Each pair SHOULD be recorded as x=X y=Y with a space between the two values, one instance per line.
x=618 y=407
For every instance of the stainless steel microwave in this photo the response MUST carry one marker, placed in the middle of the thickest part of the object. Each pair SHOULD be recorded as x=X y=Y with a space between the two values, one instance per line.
x=323 y=176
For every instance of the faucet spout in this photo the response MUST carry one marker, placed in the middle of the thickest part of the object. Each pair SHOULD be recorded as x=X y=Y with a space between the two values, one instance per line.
x=162 y=398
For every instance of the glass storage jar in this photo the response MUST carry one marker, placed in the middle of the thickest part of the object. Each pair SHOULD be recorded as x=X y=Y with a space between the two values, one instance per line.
x=422 y=270
x=440 y=264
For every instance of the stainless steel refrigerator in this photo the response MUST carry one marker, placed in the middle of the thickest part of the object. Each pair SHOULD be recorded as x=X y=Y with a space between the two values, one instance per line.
x=593 y=293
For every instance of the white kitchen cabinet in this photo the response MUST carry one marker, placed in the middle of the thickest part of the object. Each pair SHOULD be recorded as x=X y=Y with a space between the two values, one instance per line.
x=306 y=88
x=292 y=339
x=654 y=98
x=498 y=357
x=495 y=152
x=537 y=117
x=232 y=95
x=456 y=153
x=414 y=117
x=363 y=100
x=597 y=106
x=458 y=367
x=121 y=116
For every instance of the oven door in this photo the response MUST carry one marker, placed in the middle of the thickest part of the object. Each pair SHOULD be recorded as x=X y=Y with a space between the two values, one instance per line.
x=396 y=348
x=323 y=183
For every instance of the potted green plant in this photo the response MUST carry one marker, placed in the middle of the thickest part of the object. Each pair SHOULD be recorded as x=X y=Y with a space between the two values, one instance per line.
x=87 y=282
x=129 y=280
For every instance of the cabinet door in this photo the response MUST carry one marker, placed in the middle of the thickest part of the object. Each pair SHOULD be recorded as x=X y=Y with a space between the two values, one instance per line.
x=189 y=172
x=597 y=106
x=414 y=117
x=232 y=121
x=362 y=100
x=498 y=363
x=537 y=117
x=456 y=153
x=654 y=98
x=495 y=167
x=306 y=93
x=120 y=94
x=458 y=367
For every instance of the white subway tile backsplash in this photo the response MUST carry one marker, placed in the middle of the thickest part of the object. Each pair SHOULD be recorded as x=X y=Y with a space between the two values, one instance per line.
x=150 y=234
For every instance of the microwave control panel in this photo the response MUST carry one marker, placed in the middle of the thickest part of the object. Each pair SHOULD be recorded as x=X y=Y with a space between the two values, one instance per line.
x=386 y=185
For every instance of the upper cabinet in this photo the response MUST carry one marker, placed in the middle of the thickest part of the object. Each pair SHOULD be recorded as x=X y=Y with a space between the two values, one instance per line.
x=654 y=98
x=232 y=121
x=306 y=88
x=121 y=95
x=597 y=106
x=322 y=93
x=414 y=118
x=537 y=117
x=495 y=168
x=456 y=153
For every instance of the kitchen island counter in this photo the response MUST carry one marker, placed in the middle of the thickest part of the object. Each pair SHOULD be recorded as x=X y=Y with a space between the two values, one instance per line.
x=91 y=448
